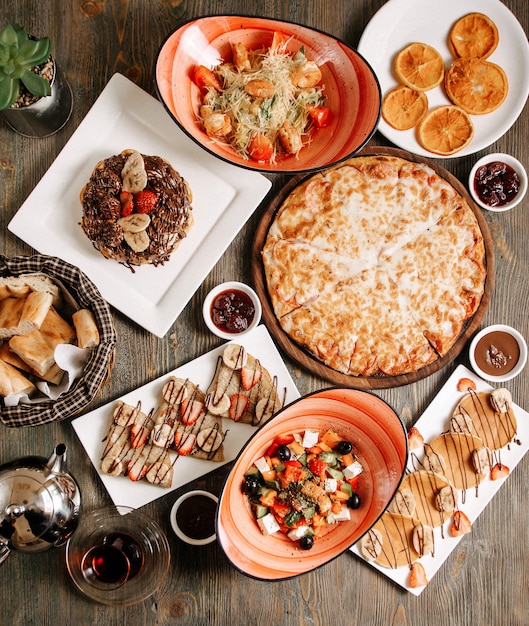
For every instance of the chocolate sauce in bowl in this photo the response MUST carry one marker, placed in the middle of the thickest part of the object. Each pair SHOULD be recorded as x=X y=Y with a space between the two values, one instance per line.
x=497 y=353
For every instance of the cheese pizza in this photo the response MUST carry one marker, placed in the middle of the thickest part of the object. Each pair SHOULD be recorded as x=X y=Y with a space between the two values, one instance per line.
x=374 y=265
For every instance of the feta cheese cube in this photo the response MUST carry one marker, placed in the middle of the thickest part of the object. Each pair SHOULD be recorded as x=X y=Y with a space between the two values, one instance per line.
x=310 y=438
x=268 y=524
x=296 y=533
x=262 y=465
x=343 y=515
x=330 y=485
x=353 y=470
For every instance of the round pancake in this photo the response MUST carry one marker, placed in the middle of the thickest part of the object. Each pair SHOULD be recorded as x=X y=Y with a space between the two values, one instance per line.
x=397 y=548
x=495 y=428
x=425 y=485
x=455 y=450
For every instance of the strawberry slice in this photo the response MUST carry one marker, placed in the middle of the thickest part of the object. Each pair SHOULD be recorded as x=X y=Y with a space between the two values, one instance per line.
x=145 y=201
x=499 y=471
x=184 y=443
x=127 y=203
x=137 y=468
x=250 y=377
x=138 y=435
x=466 y=384
x=417 y=575
x=415 y=439
x=238 y=405
x=461 y=525
x=190 y=411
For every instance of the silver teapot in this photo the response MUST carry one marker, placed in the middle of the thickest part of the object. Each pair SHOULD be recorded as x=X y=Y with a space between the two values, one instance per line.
x=39 y=503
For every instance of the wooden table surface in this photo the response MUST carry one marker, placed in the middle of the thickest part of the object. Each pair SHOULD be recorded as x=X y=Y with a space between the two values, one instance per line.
x=484 y=581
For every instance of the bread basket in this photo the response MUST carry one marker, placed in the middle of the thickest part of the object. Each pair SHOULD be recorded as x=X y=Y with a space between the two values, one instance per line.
x=82 y=291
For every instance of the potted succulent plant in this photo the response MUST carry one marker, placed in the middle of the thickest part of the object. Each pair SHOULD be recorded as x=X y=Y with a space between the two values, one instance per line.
x=35 y=99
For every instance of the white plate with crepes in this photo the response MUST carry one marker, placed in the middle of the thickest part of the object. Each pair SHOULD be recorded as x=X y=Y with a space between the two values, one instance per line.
x=401 y=22
x=126 y=117
x=434 y=421
x=92 y=428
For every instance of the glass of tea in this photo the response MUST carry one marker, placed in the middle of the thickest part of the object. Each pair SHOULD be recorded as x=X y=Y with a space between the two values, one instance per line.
x=117 y=555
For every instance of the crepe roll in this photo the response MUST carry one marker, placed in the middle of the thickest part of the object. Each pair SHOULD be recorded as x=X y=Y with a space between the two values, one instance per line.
x=13 y=381
x=36 y=307
x=85 y=328
x=34 y=350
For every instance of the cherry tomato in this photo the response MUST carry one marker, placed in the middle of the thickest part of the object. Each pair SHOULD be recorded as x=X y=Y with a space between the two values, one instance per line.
x=203 y=77
x=260 y=148
x=319 y=116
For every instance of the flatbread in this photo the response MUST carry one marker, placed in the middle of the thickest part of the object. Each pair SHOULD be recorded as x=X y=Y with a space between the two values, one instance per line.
x=375 y=265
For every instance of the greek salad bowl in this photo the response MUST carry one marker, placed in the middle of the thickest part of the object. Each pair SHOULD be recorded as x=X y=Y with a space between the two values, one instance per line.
x=310 y=483
x=312 y=76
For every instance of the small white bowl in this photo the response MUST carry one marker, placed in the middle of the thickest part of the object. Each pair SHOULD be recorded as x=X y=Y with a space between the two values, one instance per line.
x=516 y=166
x=216 y=291
x=522 y=359
x=174 y=519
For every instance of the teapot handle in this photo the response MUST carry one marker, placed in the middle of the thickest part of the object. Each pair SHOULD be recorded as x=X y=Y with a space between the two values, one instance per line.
x=5 y=551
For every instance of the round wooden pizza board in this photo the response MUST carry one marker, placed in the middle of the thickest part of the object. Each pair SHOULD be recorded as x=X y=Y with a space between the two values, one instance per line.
x=316 y=367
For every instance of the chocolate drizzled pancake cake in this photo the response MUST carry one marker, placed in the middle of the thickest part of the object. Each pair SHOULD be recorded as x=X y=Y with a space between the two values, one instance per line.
x=136 y=208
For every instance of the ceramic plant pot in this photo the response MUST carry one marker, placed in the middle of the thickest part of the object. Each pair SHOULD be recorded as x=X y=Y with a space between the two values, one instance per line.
x=46 y=116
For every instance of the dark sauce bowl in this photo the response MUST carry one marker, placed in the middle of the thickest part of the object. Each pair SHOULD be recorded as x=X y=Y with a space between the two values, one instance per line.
x=514 y=168
x=193 y=517
x=244 y=294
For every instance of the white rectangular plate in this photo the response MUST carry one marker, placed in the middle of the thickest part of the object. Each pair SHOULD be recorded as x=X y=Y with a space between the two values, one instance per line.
x=224 y=197
x=434 y=421
x=92 y=428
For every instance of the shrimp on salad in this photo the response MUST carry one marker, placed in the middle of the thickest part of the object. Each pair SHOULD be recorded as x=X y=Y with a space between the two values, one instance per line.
x=263 y=102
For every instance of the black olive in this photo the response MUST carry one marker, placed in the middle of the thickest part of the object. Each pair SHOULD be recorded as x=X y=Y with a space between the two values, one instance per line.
x=283 y=452
x=354 y=501
x=306 y=542
x=250 y=485
x=344 y=447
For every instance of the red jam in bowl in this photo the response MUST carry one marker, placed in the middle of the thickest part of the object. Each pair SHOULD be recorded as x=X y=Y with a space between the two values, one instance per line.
x=496 y=184
x=196 y=516
x=497 y=353
x=232 y=311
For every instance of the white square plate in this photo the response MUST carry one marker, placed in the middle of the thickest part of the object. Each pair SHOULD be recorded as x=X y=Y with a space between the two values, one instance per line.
x=92 y=428
x=434 y=421
x=224 y=197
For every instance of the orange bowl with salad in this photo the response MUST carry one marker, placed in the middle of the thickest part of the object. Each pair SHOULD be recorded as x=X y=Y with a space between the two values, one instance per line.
x=310 y=483
x=267 y=95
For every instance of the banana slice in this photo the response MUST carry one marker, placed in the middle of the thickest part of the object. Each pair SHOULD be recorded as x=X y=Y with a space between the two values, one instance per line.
x=481 y=460
x=160 y=473
x=139 y=242
x=162 y=435
x=404 y=502
x=134 y=223
x=175 y=390
x=125 y=414
x=113 y=466
x=234 y=356
x=370 y=546
x=501 y=400
x=265 y=408
x=433 y=460
x=133 y=174
x=446 y=499
x=422 y=539
x=460 y=423
x=209 y=439
x=221 y=407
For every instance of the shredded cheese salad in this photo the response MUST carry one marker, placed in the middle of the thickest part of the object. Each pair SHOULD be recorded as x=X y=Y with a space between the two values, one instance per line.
x=263 y=102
